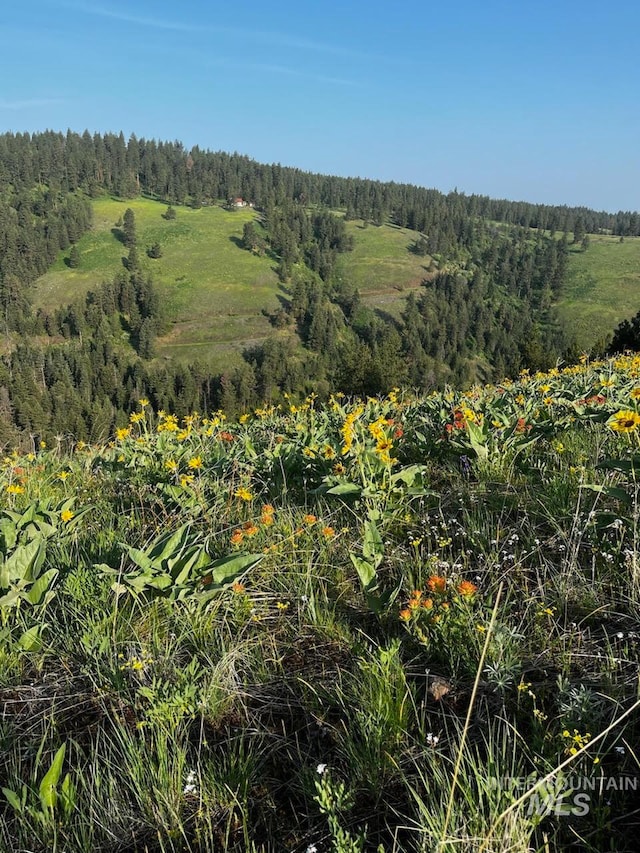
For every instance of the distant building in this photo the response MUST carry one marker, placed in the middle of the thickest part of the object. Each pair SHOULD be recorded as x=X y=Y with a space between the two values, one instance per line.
x=240 y=202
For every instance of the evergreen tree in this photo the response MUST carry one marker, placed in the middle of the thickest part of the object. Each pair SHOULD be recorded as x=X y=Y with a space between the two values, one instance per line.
x=74 y=258
x=129 y=228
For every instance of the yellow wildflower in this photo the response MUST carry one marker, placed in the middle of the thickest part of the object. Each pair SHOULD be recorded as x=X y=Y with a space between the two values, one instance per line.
x=624 y=421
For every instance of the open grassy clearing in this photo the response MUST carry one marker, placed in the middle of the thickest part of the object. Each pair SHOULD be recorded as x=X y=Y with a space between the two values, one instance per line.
x=602 y=288
x=212 y=289
x=381 y=265
x=214 y=292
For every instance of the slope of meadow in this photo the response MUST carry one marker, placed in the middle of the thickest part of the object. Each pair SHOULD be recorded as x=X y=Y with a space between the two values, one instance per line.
x=388 y=625
x=214 y=292
x=602 y=288
x=217 y=295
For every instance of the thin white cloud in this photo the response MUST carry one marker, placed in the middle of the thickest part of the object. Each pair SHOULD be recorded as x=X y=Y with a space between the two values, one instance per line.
x=29 y=103
x=243 y=34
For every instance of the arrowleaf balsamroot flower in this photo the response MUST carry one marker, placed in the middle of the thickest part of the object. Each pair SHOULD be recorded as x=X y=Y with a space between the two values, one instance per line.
x=624 y=421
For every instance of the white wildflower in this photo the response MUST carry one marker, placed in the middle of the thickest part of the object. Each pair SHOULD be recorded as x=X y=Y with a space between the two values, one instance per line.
x=190 y=785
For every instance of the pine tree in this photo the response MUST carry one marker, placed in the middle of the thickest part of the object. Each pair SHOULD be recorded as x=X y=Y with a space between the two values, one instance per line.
x=74 y=258
x=129 y=228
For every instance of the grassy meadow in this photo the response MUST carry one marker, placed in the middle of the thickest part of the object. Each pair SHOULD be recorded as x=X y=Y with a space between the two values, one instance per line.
x=602 y=287
x=212 y=289
x=382 y=266
x=404 y=624
x=215 y=292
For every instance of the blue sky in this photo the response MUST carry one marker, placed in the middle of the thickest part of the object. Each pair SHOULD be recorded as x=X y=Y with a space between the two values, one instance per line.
x=536 y=101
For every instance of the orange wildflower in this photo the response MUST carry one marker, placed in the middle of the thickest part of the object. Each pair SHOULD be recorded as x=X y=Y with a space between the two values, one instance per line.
x=437 y=583
x=467 y=588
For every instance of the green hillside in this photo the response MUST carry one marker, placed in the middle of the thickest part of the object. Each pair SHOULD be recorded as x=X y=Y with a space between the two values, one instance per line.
x=381 y=265
x=602 y=287
x=213 y=290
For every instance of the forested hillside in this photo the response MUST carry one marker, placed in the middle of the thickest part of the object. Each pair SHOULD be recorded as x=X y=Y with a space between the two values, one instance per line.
x=493 y=272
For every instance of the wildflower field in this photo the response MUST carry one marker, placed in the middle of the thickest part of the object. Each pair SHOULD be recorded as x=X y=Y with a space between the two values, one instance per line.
x=400 y=624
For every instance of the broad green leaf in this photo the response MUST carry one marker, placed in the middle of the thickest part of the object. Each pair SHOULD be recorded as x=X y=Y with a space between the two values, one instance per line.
x=13 y=799
x=626 y=466
x=139 y=558
x=409 y=475
x=610 y=491
x=227 y=569
x=160 y=581
x=372 y=545
x=366 y=572
x=139 y=582
x=41 y=586
x=192 y=564
x=168 y=545
x=104 y=569
x=47 y=791
x=345 y=490
x=477 y=439
x=31 y=641
x=9 y=533
x=10 y=599
x=25 y=562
